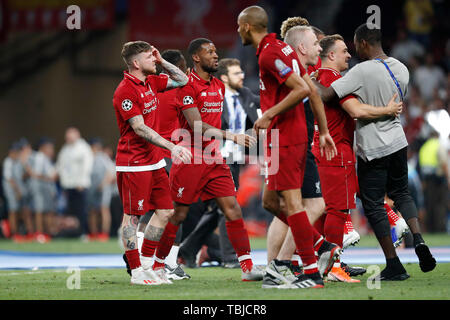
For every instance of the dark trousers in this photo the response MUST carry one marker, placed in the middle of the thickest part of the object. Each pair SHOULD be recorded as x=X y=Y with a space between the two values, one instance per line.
x=212 y=218
x=386 y=175
x=77 y=206
x=435 y=195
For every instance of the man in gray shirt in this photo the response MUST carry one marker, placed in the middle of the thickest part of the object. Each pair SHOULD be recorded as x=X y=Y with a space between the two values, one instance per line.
x=381 y=146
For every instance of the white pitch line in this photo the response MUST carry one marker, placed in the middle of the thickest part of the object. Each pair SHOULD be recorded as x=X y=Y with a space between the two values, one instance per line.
x=28 y=272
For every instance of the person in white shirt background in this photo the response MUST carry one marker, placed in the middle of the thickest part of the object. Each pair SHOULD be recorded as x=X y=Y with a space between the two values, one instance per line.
x=74 y=167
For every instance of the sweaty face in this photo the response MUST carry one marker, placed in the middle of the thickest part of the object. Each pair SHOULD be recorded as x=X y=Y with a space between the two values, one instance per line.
x=209 y=60
x=146 y=62
x=313 y=49
x=342 y=55
x=235 y=77
x=243 y=31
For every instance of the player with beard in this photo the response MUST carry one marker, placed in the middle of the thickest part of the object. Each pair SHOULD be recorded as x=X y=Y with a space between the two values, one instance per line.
x=208 y=177
x=282 y=91
x=141 y=179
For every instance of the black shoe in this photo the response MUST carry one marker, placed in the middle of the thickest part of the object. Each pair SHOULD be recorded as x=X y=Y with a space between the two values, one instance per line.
x=305 y=281
x=426 y=260
x=296 y=270
x=126 y=263
x=391 y=274
x=353 y=271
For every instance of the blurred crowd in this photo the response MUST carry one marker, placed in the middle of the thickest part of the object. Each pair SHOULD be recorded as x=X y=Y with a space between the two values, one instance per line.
x=44 y=196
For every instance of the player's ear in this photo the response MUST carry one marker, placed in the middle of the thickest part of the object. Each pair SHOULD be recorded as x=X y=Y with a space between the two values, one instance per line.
x=195 y=58
x=224 y=78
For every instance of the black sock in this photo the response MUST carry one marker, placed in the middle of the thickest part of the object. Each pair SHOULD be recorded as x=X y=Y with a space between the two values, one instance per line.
x=393 y=263
x=417 y=239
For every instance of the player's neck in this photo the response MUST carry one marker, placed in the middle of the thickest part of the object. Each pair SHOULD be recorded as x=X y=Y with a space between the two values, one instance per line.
x=202 y=74
x=257 y=38
x=377 y=53
x=138 y=74
x=330 y=66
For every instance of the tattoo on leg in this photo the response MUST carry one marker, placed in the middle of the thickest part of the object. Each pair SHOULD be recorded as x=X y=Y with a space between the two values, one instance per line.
x=129 y=233
x=153 y=233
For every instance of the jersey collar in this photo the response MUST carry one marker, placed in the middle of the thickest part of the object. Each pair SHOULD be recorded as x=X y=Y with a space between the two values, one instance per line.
x=127 y=75
x=201 y=80
x=267 y=38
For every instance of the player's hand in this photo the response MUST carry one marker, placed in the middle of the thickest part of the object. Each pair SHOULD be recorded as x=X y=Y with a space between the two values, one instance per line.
x=262 y=123
x=394 y=108
x=244 y=140
x=181 y=155
x=327 y=145
x=157 y=55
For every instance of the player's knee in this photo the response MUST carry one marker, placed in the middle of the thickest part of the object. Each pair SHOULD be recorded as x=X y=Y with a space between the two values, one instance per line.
x=270 y=206
x=178 y=217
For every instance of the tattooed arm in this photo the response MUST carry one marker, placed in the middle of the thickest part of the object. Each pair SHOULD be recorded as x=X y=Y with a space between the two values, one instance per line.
x=177 y=78
x=143 y=131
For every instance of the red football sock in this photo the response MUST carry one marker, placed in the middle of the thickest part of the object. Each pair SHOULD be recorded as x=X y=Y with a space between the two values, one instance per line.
x=392 y=216
x=149 y=247
x=302 y=232
x=165 y=244
x=282 y=216
x=317 y=239
x=318 y=225
x=239 y=239
x=334 y=228
x=133 y=258
x=348 y=227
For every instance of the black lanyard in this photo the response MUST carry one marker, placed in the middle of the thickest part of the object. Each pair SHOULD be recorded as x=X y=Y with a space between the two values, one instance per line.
x=393 y=78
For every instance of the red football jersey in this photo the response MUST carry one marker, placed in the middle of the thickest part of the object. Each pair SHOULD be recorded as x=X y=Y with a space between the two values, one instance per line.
x=132 y=98
x=207 y=97
x=340 y=125
x=168 y=116
x=277 y=61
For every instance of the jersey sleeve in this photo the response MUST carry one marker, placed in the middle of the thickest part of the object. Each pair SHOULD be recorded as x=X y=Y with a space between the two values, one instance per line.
x=352 y=82
x=278 y=65
x=186 y=98
x=158 y=83
x=126 y=102
x=328 y=78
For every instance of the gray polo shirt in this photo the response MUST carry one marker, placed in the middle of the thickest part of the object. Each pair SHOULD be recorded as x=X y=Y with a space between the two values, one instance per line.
x=372 y=84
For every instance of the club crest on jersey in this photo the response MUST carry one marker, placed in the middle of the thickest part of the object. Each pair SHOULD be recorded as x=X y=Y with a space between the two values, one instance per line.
x=141 y=204
x=282 y=68
x=180 y=192
x=127 y=105
x=188 y=100
x=287 y=50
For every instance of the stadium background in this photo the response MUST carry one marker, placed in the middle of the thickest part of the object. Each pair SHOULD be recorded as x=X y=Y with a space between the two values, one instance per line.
x=52 y=77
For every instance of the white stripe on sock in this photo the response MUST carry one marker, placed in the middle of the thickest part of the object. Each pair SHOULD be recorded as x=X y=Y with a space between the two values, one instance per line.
x=310 y=266
x=244 y=257
x=320 y=239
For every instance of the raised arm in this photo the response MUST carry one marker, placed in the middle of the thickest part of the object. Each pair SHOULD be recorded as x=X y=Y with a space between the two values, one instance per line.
x=360 y=110
x=177 y=78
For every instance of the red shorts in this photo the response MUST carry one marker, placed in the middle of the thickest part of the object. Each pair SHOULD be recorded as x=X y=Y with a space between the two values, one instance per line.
x=339 y=186
x=144 y=191
x=188 y=182
x=291 y=167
